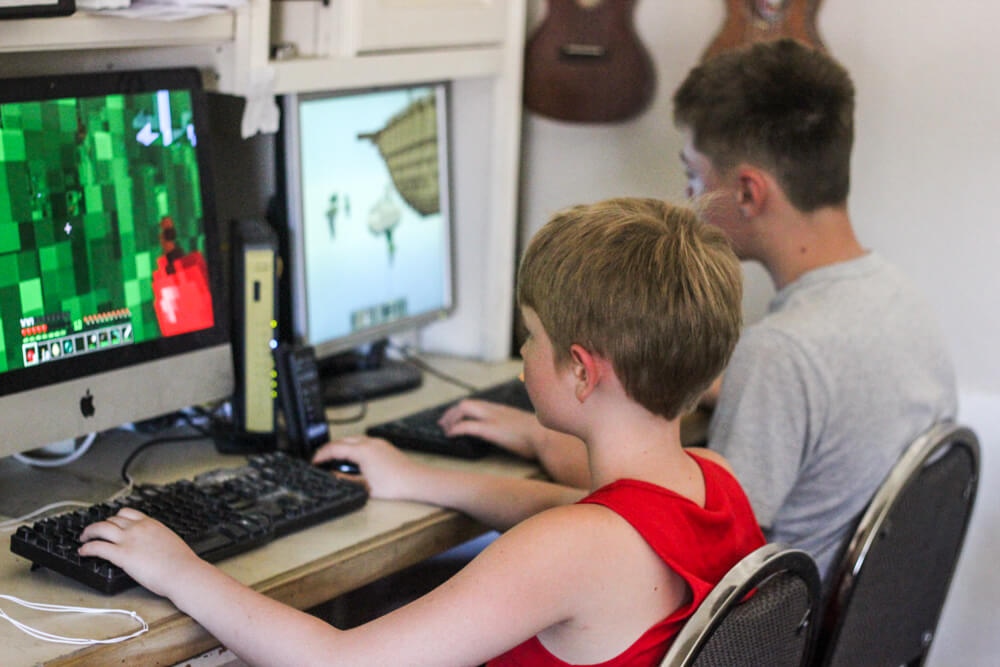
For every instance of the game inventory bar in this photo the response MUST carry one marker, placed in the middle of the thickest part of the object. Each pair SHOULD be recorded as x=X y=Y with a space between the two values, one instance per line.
x=53 y=338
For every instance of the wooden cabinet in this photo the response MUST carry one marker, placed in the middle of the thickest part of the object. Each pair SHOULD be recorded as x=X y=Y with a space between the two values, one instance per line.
x=381 y=25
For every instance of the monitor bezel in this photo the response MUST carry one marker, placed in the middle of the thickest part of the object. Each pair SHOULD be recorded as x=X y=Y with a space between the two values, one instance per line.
x=290 y=157
x=127 y=82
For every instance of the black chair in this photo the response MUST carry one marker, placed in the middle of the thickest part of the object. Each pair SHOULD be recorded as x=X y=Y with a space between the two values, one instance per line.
x=773 y=627
x=888 y=589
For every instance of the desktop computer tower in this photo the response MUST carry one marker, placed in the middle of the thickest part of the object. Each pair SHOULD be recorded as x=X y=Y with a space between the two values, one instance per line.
x=255 y=334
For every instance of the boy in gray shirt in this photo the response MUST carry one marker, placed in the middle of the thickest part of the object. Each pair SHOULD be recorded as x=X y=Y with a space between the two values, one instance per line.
x=823 y=394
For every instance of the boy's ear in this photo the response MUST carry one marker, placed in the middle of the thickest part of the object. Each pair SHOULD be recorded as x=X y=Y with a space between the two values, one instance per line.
x=586 y=370
x=752 y=189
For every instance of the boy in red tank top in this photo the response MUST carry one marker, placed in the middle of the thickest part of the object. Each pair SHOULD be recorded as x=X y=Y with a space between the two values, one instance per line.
x=632 y=307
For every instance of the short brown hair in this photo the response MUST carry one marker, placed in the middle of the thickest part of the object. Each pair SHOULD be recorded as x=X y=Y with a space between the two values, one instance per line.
x=644 y=284
x=781 y=105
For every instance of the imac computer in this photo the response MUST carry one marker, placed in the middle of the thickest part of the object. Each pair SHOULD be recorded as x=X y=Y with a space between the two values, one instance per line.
x=367 y=197
x=111 y=292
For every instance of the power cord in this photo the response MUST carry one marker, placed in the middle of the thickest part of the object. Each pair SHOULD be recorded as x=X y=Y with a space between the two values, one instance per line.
x=54 y=462
x=361 y=414
x=217 y=430
x=412 y=359
x=11 y=524
x=151 y=443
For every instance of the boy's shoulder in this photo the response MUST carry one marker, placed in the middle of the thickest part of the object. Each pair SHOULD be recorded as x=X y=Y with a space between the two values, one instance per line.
x=562 y=547
x=714 y=457
x=575 y=518
x=571 y=544
x=568 y=529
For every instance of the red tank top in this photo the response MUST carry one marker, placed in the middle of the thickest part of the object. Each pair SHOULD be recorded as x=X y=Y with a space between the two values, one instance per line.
x=700 y=544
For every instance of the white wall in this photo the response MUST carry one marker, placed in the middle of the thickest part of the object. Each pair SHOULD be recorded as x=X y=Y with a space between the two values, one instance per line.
x=565 y=163
x=925 y=181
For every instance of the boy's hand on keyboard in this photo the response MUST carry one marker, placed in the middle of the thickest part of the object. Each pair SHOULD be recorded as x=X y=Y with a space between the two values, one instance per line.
x=514 y=430
x=148 y=551
x=386 y=471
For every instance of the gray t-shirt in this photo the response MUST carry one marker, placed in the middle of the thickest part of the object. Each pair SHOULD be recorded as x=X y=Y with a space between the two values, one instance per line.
x=824 y=393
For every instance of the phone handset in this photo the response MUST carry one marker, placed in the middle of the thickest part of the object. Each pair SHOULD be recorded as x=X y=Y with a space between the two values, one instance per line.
x=301 y=397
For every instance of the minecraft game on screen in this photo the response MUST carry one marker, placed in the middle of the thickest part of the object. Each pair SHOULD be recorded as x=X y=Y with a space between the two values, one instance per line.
x=101 y=227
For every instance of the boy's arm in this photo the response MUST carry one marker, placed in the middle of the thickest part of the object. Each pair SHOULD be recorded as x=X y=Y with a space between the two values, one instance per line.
x=527 y=580
x=530 y=578
x=256 y=627
x=497 y=501
x=562 y=456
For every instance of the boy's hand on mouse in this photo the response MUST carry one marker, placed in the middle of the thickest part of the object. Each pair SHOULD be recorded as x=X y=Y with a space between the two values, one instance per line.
x=148 y=551
x=514 y=430
x=387 y=472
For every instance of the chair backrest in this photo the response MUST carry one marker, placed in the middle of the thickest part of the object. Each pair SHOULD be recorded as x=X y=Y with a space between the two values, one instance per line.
x=774 y=626
x=888 y=589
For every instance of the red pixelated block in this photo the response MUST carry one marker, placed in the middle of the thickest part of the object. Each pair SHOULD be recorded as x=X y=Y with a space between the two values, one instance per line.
x=182 y=300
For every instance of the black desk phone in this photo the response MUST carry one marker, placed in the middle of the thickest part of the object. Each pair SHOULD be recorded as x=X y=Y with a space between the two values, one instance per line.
x=301 y=396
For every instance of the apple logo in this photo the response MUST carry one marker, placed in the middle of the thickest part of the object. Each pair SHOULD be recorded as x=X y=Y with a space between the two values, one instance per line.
x=87 y=404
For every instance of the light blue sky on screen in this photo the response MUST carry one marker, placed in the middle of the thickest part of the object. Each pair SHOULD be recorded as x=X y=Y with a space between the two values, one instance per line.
x=350 y=269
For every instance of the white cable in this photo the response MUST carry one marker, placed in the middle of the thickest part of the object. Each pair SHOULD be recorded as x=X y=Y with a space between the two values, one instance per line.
x=57 y=608
x=12 y=524
x=62 y=460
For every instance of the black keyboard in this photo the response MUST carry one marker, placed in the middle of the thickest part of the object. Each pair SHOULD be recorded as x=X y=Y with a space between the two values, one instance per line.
x=420 y=430
x=219 y=514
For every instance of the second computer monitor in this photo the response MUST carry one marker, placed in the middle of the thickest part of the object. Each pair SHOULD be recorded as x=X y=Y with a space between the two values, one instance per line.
x=368 y=193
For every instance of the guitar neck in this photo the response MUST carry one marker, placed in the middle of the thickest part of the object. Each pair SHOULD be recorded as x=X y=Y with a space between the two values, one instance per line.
x=749 y=21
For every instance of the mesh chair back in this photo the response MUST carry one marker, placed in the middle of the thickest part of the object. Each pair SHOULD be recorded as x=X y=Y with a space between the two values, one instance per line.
x=771 y=627
x=889 y=588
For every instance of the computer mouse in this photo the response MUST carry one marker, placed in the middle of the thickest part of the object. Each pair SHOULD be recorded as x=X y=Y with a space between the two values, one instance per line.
x=340 y=465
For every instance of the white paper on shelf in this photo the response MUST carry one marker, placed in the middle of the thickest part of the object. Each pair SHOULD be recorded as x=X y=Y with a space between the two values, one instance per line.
x=261 y=113
x=97 y=5
x=162 y=10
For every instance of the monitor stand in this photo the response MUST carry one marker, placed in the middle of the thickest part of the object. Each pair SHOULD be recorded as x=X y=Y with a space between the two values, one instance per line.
x=365 y=373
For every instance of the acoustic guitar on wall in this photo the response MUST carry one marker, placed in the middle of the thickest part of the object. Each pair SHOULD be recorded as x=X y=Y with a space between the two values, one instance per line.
x=585 y=63
x=750 y=21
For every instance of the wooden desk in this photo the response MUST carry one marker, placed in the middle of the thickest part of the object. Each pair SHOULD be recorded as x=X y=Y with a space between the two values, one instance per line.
x=303 y=569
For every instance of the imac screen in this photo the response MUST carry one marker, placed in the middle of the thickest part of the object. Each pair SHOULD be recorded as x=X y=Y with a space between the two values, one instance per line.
x=101 y=243
x=105 y=255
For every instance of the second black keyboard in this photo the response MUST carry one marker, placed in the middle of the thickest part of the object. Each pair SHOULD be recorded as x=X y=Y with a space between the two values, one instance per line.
x=420 y=431
x=219 y=514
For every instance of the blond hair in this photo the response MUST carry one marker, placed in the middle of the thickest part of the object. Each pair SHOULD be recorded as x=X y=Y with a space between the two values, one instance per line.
x=645 y=285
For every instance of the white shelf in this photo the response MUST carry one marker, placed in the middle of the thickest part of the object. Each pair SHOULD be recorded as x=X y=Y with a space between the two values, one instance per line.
x=87 y=31
x=310 y=74
x=384 y=25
